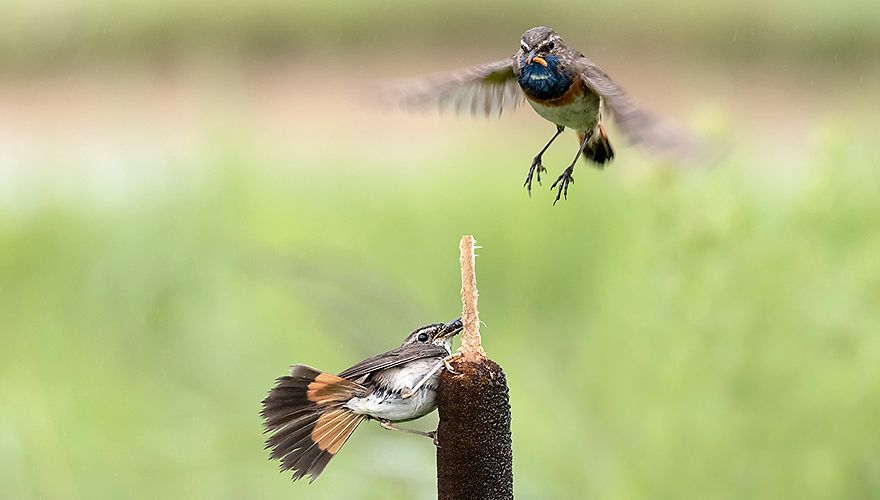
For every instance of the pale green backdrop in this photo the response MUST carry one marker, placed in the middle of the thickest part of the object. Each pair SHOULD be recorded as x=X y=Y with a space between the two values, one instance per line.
x=195 y=195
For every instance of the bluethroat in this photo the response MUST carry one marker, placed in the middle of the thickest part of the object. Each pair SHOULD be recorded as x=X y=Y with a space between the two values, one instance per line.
x=562 y=86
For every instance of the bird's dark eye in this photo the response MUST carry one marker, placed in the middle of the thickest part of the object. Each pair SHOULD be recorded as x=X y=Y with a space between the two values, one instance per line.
x=550 y=46
x=423 y=337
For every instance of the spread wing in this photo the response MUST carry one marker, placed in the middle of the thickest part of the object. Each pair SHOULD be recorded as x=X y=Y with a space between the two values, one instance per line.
x=395 y=357
x=487 y=89
x=640 y=127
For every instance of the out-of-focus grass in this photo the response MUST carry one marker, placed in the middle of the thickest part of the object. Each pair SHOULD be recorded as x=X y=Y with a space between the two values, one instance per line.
x=49 y=34
x=706 y=334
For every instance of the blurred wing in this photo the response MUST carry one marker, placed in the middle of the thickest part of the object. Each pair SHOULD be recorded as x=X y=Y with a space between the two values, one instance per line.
x=641 y=128
x=487 y=89
x=396 y=357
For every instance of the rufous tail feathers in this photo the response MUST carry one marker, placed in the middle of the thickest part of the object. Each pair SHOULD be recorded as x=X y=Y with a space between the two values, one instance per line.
x=306 y=419
x=598 y=148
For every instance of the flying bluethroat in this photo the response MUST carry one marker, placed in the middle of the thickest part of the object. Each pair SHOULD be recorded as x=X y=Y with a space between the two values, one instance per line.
x=562 y=86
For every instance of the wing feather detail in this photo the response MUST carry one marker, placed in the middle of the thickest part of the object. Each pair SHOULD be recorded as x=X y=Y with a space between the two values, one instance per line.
x=395 y=357
x=640 y=127
x=487 y=89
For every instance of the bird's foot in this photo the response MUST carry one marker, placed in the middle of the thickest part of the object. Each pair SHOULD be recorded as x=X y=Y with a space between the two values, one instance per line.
x=536 y=168
x=446 y=362
x=564 y=180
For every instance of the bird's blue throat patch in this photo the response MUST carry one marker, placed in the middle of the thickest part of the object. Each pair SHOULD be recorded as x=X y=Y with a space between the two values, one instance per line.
x=544 y=83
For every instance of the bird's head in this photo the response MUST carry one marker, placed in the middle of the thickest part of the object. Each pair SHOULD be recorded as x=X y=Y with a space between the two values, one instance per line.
x=435 y=333
x=539 y=44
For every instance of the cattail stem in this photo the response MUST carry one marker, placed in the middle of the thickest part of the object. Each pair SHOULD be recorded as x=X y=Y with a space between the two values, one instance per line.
x=474 y=453
x=471 y=343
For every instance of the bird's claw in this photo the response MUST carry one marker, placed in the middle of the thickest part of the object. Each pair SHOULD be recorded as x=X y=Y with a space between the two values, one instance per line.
x=536 y=168
x=448 y=365
x=406 y=394
x=449 y=368
x=564 y=180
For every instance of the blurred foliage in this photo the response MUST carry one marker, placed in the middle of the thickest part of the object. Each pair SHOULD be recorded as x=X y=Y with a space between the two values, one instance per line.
x=45 y=34
x=666 y=334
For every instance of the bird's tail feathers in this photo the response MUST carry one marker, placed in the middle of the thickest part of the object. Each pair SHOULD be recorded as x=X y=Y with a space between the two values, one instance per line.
x=307 y=420
x=597 y=148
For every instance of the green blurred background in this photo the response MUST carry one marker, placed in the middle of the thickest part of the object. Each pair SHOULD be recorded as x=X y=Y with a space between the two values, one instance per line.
x=195 y=195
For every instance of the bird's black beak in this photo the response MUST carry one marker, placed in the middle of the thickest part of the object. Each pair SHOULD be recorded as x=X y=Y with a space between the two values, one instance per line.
x=451 y=329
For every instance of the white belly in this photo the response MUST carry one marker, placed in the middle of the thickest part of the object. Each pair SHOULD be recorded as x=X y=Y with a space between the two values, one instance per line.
x=580 y=114
x=390 y=405
x=393 y=407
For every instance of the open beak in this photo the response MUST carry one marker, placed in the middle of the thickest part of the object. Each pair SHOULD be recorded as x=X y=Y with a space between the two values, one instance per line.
x=451 y=329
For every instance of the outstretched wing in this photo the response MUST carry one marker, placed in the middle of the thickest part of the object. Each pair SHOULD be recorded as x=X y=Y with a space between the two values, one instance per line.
x=641 y=128
x=395 y=357
x=487 y=89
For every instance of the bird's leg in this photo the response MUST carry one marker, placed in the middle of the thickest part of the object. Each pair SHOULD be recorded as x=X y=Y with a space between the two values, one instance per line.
x=536 y=162
x=566 y=178
x=386 y=424
x=408 y=393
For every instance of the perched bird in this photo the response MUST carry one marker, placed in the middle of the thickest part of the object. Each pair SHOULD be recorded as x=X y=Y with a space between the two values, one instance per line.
x=562 y=86
x=310 y=414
